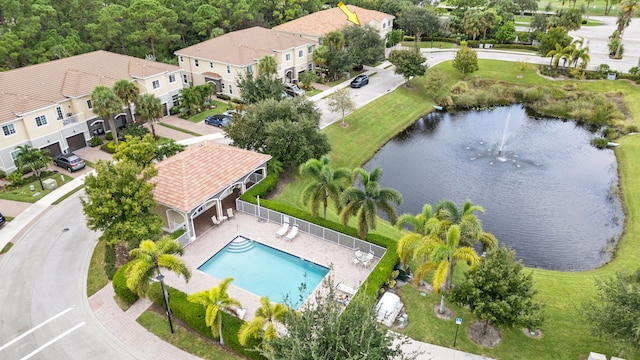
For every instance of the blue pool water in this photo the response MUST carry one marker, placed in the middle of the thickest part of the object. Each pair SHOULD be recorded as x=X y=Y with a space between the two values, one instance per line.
x=265 y=271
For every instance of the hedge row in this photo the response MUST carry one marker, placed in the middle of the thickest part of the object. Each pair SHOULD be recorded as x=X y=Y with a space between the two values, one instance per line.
x=120 y=286
x=194 y=316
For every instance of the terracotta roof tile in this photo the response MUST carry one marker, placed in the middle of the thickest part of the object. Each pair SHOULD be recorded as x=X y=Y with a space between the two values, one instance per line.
x=322 y=22
x=187 y=179
x=37 y=86
x=243 y=47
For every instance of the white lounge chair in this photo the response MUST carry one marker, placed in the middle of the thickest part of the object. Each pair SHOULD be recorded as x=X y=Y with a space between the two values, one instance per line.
x=229 y=213
x=283 y=230
x=292 y=234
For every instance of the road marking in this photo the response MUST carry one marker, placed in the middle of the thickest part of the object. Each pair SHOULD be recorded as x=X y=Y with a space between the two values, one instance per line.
x=52 y=341
x=36 y=328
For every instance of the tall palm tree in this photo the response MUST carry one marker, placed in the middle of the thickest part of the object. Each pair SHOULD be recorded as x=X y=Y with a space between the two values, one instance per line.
x=267 y=65
x=148 y=109
x=214 y=301
x=106 y=104
x=365 y=203
x=328 y=183
x=34 y=159
x=627 y=8
x=442 y=256
x=470 y=226
x=424 y=223
x=266 y=315
x=149 y=258
x=127 y=92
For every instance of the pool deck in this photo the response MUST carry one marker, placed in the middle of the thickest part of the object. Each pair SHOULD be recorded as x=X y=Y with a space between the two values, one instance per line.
x=325 y=253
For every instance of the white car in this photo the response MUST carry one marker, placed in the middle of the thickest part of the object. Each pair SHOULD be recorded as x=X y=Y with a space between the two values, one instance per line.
x=293 y=90
x=232 y=113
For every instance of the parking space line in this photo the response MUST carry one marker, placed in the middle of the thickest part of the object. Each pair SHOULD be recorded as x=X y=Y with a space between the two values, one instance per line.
x=52 y=341
x=36 y=327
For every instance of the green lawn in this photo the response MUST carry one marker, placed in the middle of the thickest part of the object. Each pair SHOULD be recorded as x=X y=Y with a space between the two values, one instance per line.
x=96 y=277
x=25 y=194
x=183 y=339
x=565 y=334
x=219 y=109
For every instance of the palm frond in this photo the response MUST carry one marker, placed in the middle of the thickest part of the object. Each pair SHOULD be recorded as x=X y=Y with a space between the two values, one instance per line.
x=440 y=276
x=251 y=330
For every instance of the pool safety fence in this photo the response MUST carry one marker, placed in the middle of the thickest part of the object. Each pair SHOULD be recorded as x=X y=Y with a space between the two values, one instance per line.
x=333 y=236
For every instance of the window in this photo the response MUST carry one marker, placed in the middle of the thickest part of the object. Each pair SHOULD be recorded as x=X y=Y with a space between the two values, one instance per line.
x=175 y=99
x=230 y=89
x=196 y=62
x=211 y=64
x=8 y=129
x=249 y=69
x=309 y=49
x=310 y=66
x=384 y=25
x=14 y=154
x=155 y=84
x=181 y=59
x=172 y=78
x=185 y=78
x=228 y=69
x=287 y=57
x=222 y=86
x=59 y=112
x=89 y=104
x=389 y=23
x=300 y=53
x=41 y=120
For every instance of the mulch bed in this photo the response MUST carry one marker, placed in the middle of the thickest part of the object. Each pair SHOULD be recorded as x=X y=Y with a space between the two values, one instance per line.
x=490 y=339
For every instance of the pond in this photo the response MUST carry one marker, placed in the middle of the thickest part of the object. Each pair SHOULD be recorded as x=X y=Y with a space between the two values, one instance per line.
x=547 y=193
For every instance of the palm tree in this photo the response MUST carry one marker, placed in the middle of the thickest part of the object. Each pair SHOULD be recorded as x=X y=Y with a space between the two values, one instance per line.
x=266 y=315
x=424 y=223
x=148 y=109
x=127 y=92
x=328 y=184
x=34 y=159
x=214 y=301
x=442 y=256
x=149 y=258
x=627 y=8
x=470 y=226
x=366 y=203
x=267 y=65
x=106 y=104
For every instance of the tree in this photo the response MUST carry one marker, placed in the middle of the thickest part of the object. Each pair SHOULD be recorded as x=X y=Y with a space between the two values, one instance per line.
x=499 y=292
x=214 y=301
x=333 y=55
x=393 y=37
x=424 y=223
x=263 y=324
x=436 y=83
x=466 y=61
x=150 y=23
x=340 y=101
x=306 y=78
x=470 y=226
x=127 y=92
x=141 y=151
x=364 y=45
x=287 y=130
x=627 y=8
x=256 y=88
x=324 y=331
x=506 y=33
x=106 y=104
x=149 y=109
x=553 y=37
x=118 y=201
x=33 y=159
x=365 y=203
x=418 y=21
x=408 y=63
x=560 y=53
x=147 y=260
x=328 y=183
x=614 y=311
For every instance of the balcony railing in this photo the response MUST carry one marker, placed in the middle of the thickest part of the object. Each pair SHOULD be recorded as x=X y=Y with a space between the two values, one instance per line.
x=70 y=120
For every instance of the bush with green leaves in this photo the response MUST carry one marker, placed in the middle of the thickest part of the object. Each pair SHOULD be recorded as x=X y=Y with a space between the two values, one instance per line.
x=95 y=141
x=109 y=261
x=108 y=136
x=15 y=178
x=120 y=286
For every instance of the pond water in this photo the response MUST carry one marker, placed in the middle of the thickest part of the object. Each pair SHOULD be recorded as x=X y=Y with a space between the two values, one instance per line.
x=547 y=193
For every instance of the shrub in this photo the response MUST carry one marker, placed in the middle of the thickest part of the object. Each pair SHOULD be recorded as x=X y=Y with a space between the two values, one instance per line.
x=2 y=174
x=600 y=143
x=631 y=129
x=223 y=97
x=120 y=286
x=109 y=147
x=174 y=110
x=95 y=141
x=109 y=261
x=108 y=136
x=15 y=178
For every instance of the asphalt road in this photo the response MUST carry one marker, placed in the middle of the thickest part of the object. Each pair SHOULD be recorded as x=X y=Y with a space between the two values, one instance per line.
x=45 y=312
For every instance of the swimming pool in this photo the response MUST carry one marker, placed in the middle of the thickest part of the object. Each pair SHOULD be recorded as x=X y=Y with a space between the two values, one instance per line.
x=265 y=271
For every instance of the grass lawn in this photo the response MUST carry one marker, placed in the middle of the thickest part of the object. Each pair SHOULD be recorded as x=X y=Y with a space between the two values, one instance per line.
x=219 y=109
x=183 y=339
x=96 y=277
x=430 y=44
x=25 y=194
x=565 y=333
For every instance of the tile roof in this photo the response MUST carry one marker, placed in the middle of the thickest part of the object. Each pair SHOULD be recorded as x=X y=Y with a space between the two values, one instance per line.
x=37 y=86
x=322 y=22
x=243 y=47
x=188 y=178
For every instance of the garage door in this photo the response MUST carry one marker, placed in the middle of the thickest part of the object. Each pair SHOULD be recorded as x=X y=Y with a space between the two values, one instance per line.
x=54 y=149
x=76 y=142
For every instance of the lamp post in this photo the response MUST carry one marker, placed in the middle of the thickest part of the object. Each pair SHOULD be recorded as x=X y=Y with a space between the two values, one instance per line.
x=160 y=278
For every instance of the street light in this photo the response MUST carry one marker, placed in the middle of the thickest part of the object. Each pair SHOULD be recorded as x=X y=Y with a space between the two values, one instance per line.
x=160 y=278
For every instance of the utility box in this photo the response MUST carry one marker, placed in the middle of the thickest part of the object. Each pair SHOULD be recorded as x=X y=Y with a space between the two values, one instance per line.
x=50 y=184
x=596 y=356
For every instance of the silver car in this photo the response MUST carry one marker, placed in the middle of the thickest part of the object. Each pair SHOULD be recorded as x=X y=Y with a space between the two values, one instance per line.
x=293 y=90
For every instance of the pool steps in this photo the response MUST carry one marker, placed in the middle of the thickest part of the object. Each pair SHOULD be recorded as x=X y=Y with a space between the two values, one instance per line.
x=240 y=245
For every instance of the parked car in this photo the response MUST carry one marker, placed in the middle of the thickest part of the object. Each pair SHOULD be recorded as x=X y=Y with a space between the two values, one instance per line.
x=360 y=81
x=218 y=120
x=70 y=161
x=2 y=219
x=293 y=90
x=232 y=113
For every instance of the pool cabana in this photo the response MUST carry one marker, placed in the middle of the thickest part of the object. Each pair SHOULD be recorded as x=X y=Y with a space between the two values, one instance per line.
x=201 y=182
